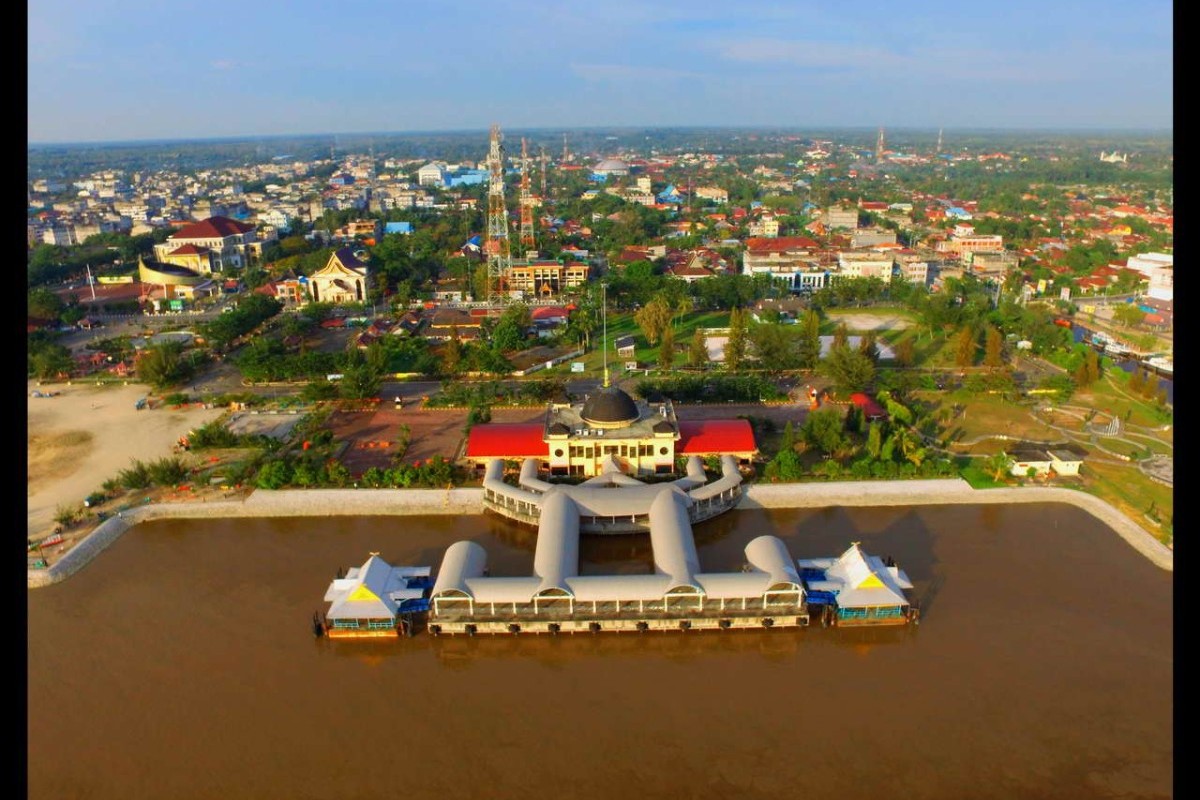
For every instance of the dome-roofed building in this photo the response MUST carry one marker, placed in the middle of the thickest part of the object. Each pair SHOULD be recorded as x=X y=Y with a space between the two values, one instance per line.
x=611 y=166
x=610 y=427
x=609 y=407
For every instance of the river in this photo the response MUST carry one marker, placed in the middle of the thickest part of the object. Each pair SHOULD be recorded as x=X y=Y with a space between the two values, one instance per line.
x=1082 y=334
x=181 y=664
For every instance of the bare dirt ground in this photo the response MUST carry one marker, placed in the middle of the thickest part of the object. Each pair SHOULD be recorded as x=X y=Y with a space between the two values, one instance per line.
x=87 y=434
x=865 y=321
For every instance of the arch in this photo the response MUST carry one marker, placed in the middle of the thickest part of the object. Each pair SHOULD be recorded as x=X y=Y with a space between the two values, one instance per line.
x=358 y=291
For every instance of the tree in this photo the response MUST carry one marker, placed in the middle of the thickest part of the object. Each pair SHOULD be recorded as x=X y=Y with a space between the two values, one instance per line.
x=809 y=345
x=163 y=365
x=905 y=355
x=841 y=336
x=824 y=429
x=666 y=351
x=735 y=348
x=788 y=440
x=998 y=465
x=509 y=333
x=51 y=361
x=698 y=350
x=1129 y=315
x=874 y=439
x=44 y=304
x=992 y=356
x=452 y=353
x=868 y=347
x=1092 y=365
x=964 y=351
x=850 y=370
x=653 y=318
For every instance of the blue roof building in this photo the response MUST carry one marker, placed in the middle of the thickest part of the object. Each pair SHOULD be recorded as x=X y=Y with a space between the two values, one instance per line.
x=397 y=227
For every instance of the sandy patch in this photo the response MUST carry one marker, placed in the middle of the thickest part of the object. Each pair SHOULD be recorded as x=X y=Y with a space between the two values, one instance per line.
x=861 y=321
x=86 y=435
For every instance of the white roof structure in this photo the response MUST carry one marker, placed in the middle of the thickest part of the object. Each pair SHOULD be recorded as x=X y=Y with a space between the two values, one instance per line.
x=860 y=580
x=372 y=591
x=556 y=554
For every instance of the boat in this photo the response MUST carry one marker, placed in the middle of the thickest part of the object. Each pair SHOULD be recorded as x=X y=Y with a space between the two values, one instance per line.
x=1163 y=365
x=1115 y=348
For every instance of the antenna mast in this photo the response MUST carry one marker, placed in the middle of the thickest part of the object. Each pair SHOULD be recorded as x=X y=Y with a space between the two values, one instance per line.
x=938 y=152
x=499 y=258
x=879 y=147
x=528 y=241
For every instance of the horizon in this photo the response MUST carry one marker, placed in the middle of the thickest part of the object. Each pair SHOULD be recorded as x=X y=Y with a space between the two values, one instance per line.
x=124 y=74
x=1167 y=133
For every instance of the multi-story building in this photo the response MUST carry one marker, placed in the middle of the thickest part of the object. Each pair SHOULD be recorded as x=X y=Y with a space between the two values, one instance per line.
x=865 y=265
x=713 y=193
x=766 y=227
x=976 y=243
x=869 y=237
x=840 y=217
x=545 y=278
x=213 y=245
x=793 y=259
x=432 y=174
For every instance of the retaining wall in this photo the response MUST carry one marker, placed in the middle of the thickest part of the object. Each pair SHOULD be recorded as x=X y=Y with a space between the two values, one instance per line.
x=387 y=502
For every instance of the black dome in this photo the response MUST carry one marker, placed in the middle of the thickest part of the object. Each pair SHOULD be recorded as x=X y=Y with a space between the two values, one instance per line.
x=609 y=406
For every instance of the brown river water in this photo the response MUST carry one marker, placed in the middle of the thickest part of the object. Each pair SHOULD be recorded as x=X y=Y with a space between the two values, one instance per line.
x=181 y=664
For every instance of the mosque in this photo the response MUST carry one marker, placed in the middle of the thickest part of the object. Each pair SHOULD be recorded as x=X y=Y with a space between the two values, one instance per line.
x=640 y=437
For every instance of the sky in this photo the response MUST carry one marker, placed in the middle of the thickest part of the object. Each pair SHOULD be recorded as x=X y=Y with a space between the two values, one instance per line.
x=127 y=70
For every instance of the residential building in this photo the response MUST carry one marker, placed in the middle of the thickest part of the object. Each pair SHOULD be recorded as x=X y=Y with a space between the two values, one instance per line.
x=767 y=227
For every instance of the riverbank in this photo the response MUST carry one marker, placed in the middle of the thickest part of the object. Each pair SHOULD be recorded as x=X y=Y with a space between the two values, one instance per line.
x=412 y=502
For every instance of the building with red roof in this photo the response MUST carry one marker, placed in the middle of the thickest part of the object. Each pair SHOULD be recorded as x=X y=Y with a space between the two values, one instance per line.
x=211 y=245
x=610 y=428
x=871 y=410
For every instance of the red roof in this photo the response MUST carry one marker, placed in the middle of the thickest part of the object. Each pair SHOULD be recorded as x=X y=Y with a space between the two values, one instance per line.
x=778 y=245
x=871 y=409
x=212 y=228
x=548 y=312
x=189 y=249
x=506 y=440
x=701 y=437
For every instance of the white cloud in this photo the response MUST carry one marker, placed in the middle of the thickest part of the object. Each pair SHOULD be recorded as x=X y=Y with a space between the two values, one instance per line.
x=624 y=73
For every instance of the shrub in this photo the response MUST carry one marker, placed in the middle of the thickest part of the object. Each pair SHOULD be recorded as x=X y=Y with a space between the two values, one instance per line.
x=136 y=476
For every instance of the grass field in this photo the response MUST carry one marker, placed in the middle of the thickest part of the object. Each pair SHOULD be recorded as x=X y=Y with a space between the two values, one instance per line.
x=644 y=353
x=1130 y=491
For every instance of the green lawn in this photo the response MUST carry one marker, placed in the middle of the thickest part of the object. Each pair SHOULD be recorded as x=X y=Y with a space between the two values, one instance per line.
x=647 y=355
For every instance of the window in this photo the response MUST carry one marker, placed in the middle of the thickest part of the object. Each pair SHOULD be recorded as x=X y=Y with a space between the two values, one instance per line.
x=558 y=452
x=379 y=624
x=645 y=450
x=662 y=451
x=345 y=623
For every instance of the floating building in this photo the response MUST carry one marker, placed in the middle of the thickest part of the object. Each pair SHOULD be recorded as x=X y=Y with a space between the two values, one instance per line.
x=771 y=590
x=374 y=599
x=556 y=598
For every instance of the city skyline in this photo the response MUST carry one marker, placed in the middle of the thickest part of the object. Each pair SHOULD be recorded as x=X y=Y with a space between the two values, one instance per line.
x=225 y=71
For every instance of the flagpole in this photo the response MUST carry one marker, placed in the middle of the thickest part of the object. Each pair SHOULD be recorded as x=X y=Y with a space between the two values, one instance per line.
x=90 y=283
x=604 y=317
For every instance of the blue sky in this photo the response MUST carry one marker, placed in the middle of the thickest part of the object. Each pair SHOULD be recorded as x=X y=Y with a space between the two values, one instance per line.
x=102 y=70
